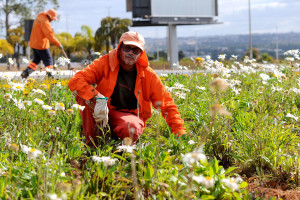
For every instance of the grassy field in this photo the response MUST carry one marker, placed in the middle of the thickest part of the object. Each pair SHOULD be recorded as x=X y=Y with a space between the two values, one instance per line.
x=242 y=124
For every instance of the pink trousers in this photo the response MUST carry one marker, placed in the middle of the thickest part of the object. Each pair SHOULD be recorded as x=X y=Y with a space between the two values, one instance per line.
x=122 y=124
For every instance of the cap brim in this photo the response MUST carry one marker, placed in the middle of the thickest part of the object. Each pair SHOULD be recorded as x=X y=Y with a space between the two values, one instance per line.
x=133 y=43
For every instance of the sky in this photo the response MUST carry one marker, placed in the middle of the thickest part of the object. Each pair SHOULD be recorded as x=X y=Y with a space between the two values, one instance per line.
x=267 y=16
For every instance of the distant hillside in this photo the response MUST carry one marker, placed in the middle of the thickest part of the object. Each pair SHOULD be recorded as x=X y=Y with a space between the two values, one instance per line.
x=228 y=44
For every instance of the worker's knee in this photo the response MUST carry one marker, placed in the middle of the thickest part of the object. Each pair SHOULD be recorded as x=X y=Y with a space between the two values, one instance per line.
x=128 y=129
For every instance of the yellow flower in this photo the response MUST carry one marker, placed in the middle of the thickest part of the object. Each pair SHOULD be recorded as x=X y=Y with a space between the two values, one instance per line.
x=52 y=112
x=32 y=112
x=70 y=111
x=13 y=147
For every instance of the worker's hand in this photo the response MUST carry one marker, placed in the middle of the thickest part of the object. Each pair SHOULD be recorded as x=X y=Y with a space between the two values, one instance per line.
x=61 y=47
x=101 y=111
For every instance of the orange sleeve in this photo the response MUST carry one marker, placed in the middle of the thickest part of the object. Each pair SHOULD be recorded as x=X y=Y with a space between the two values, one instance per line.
x=82 y=81
x=160 y=96
x=47 y=30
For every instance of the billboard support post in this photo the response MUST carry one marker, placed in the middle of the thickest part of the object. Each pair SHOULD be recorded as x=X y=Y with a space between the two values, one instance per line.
x=172 y=45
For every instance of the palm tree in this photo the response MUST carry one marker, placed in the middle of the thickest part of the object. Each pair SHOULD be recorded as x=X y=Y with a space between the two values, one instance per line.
x=110 y=31
x=67 y=40
x=87 y=41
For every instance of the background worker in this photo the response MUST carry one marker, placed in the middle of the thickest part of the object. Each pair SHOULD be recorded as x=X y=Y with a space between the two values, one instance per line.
x=40 y=36
x=126 y=87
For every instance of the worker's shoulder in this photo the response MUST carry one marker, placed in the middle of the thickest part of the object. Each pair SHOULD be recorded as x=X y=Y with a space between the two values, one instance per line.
x=148 y=69
x=150 y=72
x=42 y=17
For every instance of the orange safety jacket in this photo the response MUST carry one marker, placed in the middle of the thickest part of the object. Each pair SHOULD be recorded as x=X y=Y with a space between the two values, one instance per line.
x=148 y=87
x=42 y=33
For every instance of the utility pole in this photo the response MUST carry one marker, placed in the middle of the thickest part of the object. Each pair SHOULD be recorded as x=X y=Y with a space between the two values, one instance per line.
x=67 y=23
x=157 y=48
x=108 y=10
x=250 y=35
x=276 y=43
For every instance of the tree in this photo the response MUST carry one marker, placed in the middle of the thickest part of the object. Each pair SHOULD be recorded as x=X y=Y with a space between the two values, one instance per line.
x=85 y=40
x=181 y=55
x=256 y=53
x=16 y=39
x=110 y=31
x=5 y=47
x=266 y=57
x=21 y=9
x=67 y=40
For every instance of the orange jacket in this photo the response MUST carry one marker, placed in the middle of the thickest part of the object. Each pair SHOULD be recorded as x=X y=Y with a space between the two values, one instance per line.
x=148 y=87
x=42 y=33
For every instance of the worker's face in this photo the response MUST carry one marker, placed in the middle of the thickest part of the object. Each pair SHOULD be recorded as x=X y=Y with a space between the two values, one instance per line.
x=129 y=54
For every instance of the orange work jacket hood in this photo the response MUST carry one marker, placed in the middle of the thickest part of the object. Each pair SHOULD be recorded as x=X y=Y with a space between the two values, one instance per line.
x=114 y=62
x=148 y=87
x=42 y=33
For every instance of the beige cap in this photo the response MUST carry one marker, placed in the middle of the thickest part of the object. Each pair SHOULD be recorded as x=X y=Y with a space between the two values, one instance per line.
x=133 y=38
x=52 y=14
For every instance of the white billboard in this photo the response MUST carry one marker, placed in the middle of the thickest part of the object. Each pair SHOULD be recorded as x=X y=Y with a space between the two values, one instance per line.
x=183 y=8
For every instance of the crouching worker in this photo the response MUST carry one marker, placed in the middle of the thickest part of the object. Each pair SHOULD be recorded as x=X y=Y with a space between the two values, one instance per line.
x=40 y=36
x=126 y=87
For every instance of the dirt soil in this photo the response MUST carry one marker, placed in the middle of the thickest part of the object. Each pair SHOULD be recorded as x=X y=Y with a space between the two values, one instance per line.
x=276 y=190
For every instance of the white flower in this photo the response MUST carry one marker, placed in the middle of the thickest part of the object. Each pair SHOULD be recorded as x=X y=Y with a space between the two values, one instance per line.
x=37 y=91
x=232 y=183
x=234 y=57
x=164 y=75
x=193 y=157
x=46 y=107
x=289 y=59
x=61 y=61
x=78 y=107
x=97 y=53
x=107 y=161
x=292 y=116
x=33 y=153
x=8 y=96
x=207 y=182
x=2 y=171
x=27 y=103
x=265 y=77
x=126 y=148
x=59 y=106
x=180 y=95
x=191 y=142
x=25 y=61
x=52 y=112
x=48 y=69
x=63 y=174
x=292 y=52
x=200 y=88
x=236 y=91
x=20 y=104
x=25 y=149
x=53 y=197
x=1 y=55
x=16 y=86
x=222 y=56
x=10 y=61
x=38 y=101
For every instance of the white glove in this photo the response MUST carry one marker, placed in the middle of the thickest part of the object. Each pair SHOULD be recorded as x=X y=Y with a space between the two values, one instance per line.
x=101 y=111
